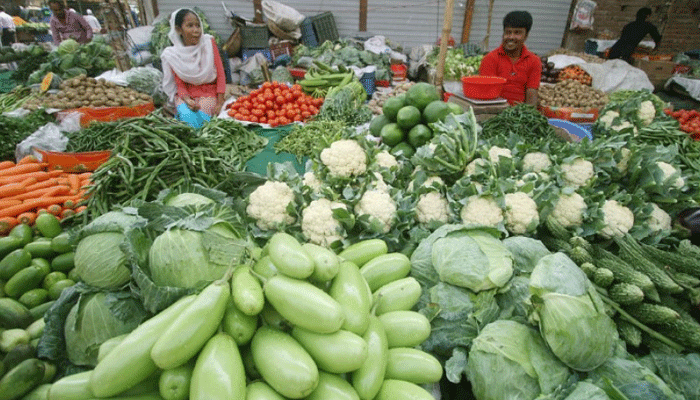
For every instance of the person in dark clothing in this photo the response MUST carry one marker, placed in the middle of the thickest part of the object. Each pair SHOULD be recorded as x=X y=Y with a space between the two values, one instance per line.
x=632 y=34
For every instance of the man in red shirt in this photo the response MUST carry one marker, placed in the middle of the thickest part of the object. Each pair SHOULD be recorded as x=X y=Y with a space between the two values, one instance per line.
x=513 y=61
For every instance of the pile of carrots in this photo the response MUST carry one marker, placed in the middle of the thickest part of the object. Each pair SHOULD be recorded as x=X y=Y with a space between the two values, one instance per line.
x=27 y=189
x=576 y=73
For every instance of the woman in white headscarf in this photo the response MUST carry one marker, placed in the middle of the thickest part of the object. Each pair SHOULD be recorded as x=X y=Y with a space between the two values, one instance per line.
x=193 y=74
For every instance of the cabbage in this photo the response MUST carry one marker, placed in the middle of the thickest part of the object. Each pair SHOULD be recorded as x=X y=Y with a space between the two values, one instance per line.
x=97 y=317
x=509 y=360
x=188 y=199
x=570 y=313
x=100 y=262
x=68 y=46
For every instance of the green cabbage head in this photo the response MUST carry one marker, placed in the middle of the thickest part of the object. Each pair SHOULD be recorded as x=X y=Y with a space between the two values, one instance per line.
x=509 y=360
x=100 y=262
x=68 y=46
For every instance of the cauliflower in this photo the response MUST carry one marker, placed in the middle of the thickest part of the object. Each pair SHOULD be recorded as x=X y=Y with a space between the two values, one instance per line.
x=429 y=182
x=669 y=171
x=623 y=164
x=432 y=206
x=312 y=181
x=646 y=112
x=345 y=158
x=385 y=160
x=379 y=183
x=617 y=218
x=521 y=213
x=379 y=206
x=624 y=125
x=569 y=209
x=474 y=165
x=496 y=152
x=536 y=162
x=318 y=224
x=608 y=117
x=578 y=172
x=481 y=211
x=268 y=205
x=659 y=220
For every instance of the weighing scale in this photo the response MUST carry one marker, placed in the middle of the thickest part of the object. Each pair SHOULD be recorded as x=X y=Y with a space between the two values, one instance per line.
x=483 y=109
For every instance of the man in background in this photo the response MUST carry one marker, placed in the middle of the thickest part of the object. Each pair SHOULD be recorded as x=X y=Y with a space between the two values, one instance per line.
x=92 y=21
x=513 y=61
x=68 y=24
x=632 y=34
x=8 y=28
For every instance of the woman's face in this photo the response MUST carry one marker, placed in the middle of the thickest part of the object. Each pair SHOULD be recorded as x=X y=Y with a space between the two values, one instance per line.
x=190 y=30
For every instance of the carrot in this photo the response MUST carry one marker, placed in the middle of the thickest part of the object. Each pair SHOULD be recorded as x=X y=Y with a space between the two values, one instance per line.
x=56 y=190
x=12 y=189
x=27 y=218
x=6 y=164
x=67 y=212
x=43 y=184
x=37 y=193
x=70 y=204
x=9 y=203
x=22 y=169
x=54 y=209
x=80 y=209
x=38 y=175
x=6 y=224
x=40 y=211
x=74 y=183
x=85 y=175
x=32 y=204
x=28 y=159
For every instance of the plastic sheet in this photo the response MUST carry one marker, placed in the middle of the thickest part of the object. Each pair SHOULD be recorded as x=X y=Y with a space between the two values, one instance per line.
x=108 y=114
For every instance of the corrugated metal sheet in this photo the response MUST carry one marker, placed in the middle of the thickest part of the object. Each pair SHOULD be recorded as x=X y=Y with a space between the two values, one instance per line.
x=407 y=23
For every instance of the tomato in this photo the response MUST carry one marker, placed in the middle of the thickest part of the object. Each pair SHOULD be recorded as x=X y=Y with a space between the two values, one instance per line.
x=288 y=96
x=283 y=120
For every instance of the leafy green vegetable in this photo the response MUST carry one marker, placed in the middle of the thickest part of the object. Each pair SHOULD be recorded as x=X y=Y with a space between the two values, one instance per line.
x=16 y=130
x=100 y=261
x=631 y=378
x=523 y=120
x=305 y=140
x=68 y=47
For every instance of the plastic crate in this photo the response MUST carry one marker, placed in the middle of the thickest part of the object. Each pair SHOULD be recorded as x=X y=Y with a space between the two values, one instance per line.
x=324 y=26
x=281 y=49
x=253 y=36
x=247 y=53
x=308 y=36
x=367 y=81
x=297 y=73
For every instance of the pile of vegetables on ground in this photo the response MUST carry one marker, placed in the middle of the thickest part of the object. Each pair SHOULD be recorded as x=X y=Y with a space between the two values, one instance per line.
x=72 y=59
x=343 y=52
x=571 y=93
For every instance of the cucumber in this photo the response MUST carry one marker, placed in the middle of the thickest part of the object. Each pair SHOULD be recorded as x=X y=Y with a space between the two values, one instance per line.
x=289 y=257
x=337 y=352
x=21 y=379
x=34 y=297
x=42 y=264
x=57 y=288
x=24 y=232
x=363 y=251
x=63 y=262
x=41 y=392
x=401 y=294
x=72 y=387
x=246 y=291
x=334 y=387
x=14 y=314
x=384 y=269
x=220 y=353
x=23 y=281
x=48 y=225
x=14 y=262
x=260 y=390
x=39 y=311
x=40 y=247
x=9 y=244
x=61 y=243
x=18 y=354
x=393 y=389
x=240 y=326
x=412 y=365
x=53 y=277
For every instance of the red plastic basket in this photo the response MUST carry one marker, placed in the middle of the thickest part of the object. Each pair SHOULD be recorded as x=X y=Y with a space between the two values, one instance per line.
x=482 y=87
x=74 y=162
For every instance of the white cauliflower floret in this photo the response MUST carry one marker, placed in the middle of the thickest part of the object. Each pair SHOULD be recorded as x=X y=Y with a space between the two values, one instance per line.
x=659 y=220
x=646 y=112
x=617 y=218
x=429 y=182
x=624 y=162
x=385 y=160
x=536 y=162
x=578 y=172
x=624 y=125
x=379 y=206
x=669 y=171
x=379 y=183
x=569 y=209
x=472 y=166
x=432 y=206
x=318 y=224
x=608 y=117
x=312 y=181
x=481 y=211
x=268 y=203
x=521 y=213
x=345 y=158
x=495 y=152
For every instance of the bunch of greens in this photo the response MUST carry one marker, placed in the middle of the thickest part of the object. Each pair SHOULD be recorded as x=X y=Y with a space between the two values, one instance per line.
x=523 y=120
x=71 y=59
x=234 y=143
x=346 y=103
x=30 y=62
x=17 y=129
x=144 y=79
x=304 y=140
x=457 y=62
x=344 y=52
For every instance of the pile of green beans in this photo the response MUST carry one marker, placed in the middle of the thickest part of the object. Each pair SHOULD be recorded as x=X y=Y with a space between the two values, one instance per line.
x=521 y=119
x=154 y=153
x=667 y=133
x=303 y=140
x=15 y=99
x=233 y=142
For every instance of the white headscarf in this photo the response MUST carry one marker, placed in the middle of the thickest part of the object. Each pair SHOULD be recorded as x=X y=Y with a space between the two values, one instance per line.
x=192 y=64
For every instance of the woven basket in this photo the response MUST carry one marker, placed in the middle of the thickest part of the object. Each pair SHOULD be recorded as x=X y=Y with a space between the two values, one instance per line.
x=281 y=33
x=233 y=44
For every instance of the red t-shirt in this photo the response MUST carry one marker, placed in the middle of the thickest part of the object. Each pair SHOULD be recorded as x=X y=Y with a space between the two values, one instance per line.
x=524 y=74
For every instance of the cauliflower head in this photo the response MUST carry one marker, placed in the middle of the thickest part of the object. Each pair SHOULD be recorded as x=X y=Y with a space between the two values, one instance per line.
x=669 y=171
x=432 y=206
x=536 y=162
x=318 y=224
x=268 y=203
x=624 y=125
x=474 y=165
x=617 y=218
x=521 y=213
x=379 y=184
x=608 y=118
x=379 y=206
x=495 y=152
x=569 y=209
x=481 y=211
x=659 y=220
x=311 y=180
x=385 y=160
x=578 y=173
x=623 y=164
x=345 y=158
x=646 y=112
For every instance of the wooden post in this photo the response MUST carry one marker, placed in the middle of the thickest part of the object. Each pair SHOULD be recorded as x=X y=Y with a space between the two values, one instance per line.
x=485 y=43
x=467 y=25
x=257 y=11
x=363 y=16
x=446 y=29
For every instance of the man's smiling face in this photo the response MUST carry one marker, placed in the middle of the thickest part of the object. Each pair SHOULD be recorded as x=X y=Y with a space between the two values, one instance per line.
x=514 y=39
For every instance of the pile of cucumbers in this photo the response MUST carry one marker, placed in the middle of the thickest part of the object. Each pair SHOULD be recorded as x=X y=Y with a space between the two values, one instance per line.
x=35 y=265
x=302 y=322
x=321 y=77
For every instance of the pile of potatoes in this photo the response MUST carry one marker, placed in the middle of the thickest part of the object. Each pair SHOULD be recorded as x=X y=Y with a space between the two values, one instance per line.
x=84 y=91
x=571 y=93
x=380 y=95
